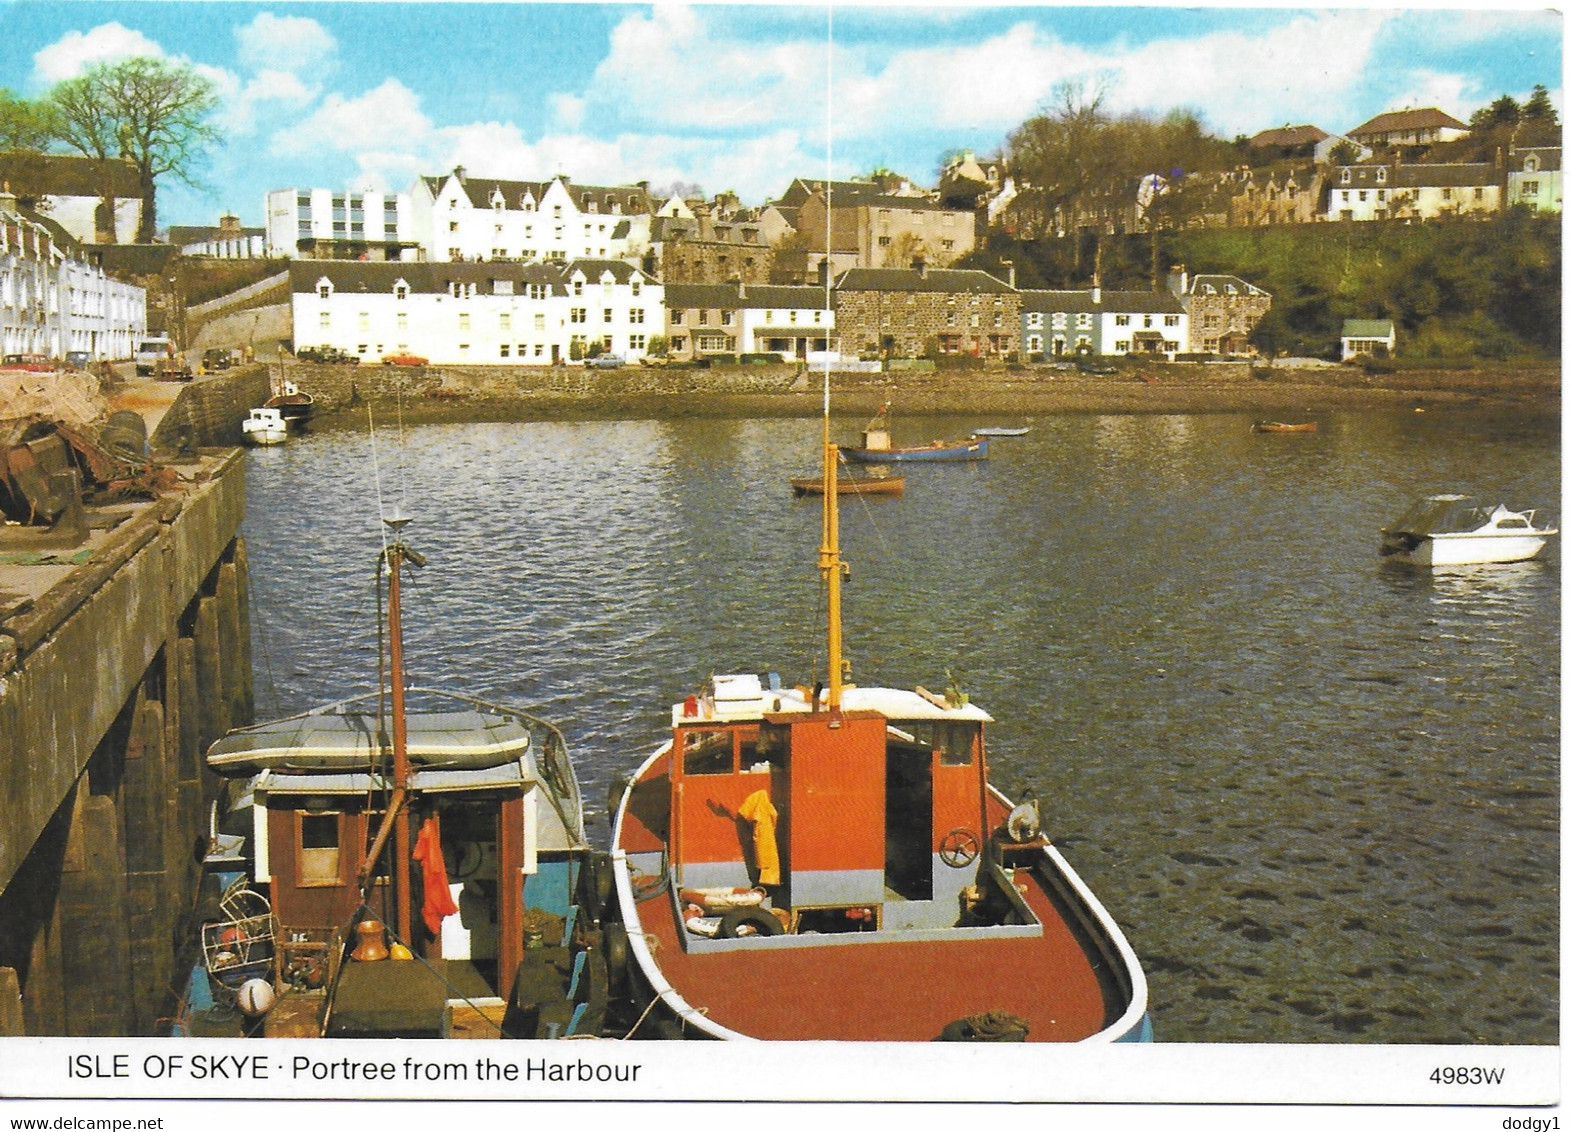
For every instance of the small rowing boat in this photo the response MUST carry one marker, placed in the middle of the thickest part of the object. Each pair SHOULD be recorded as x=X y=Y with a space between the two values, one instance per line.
x=1283 y=426
x=851 y=485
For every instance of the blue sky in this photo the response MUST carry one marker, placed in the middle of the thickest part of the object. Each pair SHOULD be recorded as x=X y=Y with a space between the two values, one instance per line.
x=370 y=95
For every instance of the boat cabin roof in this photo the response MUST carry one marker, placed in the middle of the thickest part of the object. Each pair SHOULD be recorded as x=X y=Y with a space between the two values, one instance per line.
x=426 y=780
x=351 y=741
x=731 y=699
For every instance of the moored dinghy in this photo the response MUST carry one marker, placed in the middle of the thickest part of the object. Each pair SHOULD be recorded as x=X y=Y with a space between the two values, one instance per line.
x=877 y=449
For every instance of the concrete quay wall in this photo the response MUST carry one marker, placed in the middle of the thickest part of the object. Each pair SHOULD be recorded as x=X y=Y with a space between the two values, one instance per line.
x=208 y=411
x=112 y=682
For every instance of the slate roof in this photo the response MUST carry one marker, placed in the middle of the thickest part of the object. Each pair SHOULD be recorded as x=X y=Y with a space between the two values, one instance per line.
x=433 y=278
x=32 y=175
x=727 y=296
x=1400 y=121
x=1219 y=285
x=1111 y=302
x=1548 y=157
x=633 y=199
x=1289 y=137
x=941 y=280
x=1417 y=176
x=1367 y=328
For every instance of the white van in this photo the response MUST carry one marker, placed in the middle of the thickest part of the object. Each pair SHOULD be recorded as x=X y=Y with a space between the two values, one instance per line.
x=149 y=352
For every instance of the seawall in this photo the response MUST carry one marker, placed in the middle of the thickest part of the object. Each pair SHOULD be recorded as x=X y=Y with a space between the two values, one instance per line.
x=121 y=658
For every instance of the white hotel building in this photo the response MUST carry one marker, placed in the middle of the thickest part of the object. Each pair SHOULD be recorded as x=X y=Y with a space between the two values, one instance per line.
x=476 y=313
x=329 y=224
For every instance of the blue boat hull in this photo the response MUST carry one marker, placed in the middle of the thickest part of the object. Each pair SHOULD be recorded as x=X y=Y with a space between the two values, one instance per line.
x=972 y=449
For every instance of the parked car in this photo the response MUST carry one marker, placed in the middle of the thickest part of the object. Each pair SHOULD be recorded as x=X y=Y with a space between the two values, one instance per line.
x=327 y=355
x=214 y=360
x=78 y=359
x=606 y=361
x=32 y=363
x=404 y=360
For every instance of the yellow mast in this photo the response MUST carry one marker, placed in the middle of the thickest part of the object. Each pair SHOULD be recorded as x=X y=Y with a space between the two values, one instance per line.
x=829 y=561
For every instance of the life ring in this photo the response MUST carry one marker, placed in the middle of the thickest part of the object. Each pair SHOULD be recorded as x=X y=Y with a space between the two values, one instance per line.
x=959 y=847
x=739 y=923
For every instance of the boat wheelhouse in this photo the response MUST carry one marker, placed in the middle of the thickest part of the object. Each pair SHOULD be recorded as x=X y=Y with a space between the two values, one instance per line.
x=1454 y=530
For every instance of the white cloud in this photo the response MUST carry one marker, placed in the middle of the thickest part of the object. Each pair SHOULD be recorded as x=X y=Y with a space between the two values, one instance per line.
x=265 y=93
x=293 y=44
x=75 y=51
x=387 y=118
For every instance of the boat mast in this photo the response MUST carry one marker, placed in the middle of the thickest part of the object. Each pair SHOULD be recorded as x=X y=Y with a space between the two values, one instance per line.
x=395 y=554
x=829 y=561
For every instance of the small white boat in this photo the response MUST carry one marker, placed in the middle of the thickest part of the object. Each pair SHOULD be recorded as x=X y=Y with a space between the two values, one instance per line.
x=1454 y=530
x=265 y=426
x=999 y=431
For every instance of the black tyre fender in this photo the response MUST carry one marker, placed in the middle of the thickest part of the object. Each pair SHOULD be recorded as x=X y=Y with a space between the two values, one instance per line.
x=615 y=949
x=757 y=921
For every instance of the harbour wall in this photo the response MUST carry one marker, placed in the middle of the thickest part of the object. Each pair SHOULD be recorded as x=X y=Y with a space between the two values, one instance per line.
x=113 y=680
x=208 y=411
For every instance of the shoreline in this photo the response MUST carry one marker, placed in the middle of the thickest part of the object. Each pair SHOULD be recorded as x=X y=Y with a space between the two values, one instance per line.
x=1534 y=392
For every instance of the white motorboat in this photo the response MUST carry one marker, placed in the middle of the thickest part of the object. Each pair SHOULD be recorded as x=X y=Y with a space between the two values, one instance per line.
x=1454 y=530
x=265 y=426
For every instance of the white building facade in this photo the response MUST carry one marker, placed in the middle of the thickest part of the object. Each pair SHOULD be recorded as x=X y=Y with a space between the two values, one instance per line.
x=331 y=224
x=1061 y=324
x=458 y=218
x=104 y=318
x=476 y=313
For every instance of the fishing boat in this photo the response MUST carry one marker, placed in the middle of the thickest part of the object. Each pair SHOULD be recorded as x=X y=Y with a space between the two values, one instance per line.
x=832 y=864
x=1454 y=530
x=292 y=403
x=407 y=863
x=877 y=449
x=1286 y=426
x=264 y=427
x=1000 y=431
x=851 y=485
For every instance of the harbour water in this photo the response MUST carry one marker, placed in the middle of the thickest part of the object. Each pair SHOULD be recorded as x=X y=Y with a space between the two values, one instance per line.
x=1319 y=792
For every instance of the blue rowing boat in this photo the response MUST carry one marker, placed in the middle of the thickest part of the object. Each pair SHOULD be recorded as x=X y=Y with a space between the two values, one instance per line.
x=876 y=448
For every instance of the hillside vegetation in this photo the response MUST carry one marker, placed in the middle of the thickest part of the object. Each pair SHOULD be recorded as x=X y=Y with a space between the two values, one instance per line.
x=1456 y=290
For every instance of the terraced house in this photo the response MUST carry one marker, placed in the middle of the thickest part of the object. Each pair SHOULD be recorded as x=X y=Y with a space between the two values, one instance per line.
x=475 y=313
x=1061 y=324
x=919 y=311
x=1414 y=192
x=720 y=319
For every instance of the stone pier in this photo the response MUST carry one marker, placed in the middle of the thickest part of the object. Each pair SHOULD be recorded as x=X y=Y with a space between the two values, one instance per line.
x=119 y=662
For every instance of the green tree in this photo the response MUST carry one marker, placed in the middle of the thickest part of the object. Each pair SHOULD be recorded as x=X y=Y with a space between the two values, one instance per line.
x=25 y=124
x=151 y=112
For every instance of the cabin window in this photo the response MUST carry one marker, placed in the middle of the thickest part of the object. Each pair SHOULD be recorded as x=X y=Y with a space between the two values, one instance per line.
x=319 y=849
x=954 y=742
x=707 y=752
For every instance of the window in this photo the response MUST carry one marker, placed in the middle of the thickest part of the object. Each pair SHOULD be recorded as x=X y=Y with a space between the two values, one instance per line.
x=578 y=286
x=463 y=320
x=1121 y=346
x=1170 y=320
x=1034 y=320
x=635 y=314
x=634 y=286
x=318 y=846
x=636 y=341
x=578 y=315
x=1121 y=320
x=325 y=321
x=610 y=315
x=504 y=322
x=726 y=317
x=452 y=225
x=400 y=290
x=540 y=322
x=504 y=348
x=1380 y=176
x=403 y=320
x=365 y=320
x=324 y=290
x=1530 y=188
x=708 y=752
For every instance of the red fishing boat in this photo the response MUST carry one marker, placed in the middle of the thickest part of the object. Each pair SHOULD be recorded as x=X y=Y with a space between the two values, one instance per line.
x=833 y=864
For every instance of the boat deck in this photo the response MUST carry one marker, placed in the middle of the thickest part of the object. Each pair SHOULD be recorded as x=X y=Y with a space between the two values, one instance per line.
x=888 y=991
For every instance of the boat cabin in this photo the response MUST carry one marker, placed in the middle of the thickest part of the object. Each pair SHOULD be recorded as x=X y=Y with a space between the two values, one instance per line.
x=851 y=821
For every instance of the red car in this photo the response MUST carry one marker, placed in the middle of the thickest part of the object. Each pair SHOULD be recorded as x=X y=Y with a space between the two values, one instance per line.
x=32 y=363
x=403 y=360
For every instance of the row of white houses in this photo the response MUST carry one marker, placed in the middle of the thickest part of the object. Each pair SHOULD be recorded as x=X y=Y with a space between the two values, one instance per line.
x=52 y=303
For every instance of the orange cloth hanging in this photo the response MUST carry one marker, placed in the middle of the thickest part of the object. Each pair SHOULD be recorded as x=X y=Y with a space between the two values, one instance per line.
x=761 y=812
x=438 y=902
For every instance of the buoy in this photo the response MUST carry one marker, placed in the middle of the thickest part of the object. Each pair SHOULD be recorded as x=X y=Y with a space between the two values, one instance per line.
x=255 y=997
x=232 y=935
x=399 y=951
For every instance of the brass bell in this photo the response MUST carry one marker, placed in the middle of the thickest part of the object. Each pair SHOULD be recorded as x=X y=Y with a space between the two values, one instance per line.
x=372 y=944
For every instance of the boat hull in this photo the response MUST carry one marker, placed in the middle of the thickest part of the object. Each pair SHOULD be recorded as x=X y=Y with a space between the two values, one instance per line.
x=852 y=485
x=1075 y=980
x=266 y=437
x=973 y=449
x=1469 y=549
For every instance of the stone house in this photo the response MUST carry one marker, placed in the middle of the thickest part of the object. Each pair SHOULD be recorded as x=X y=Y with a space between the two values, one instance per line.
x=1061 y=324
x=708 y=319
x=861 y=224
x=918 y=311
x=475 y=313
x=704 y=248
x=1223 y=311
x=1275 y=194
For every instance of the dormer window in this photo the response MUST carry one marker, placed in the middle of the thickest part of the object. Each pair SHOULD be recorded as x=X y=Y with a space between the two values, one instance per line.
x=497 y=202
x=1380 y=176
x=400 y=290
x=324 y=288
x=1530 y=165
x=1347 y=176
